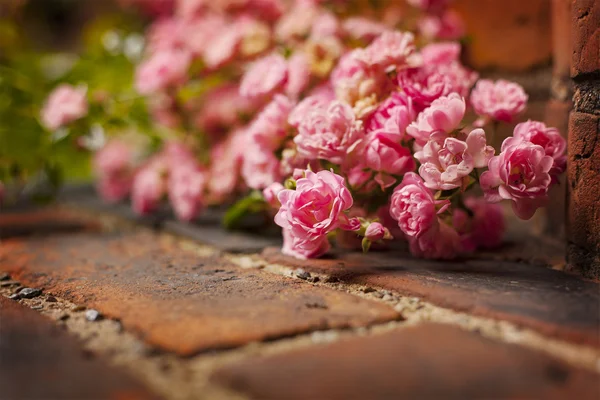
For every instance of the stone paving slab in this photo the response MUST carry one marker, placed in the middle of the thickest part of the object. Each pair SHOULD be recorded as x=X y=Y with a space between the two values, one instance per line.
x=39 y=360
x=552 y=302
x=178 y=299
x=429 y=361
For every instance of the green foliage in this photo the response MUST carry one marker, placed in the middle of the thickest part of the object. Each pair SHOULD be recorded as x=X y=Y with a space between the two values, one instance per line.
x=251 y=204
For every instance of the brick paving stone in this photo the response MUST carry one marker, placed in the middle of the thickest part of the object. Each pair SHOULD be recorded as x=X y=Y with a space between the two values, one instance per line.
x=39 y=360
x=429 y=361
x=177 y=299
x=552 y=302
x=586 y=37
x=41 y=222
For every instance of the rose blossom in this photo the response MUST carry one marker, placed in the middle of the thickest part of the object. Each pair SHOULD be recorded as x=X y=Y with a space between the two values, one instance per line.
x=376 y=231
x=440 y=243
x=225 y=166
x=448 y=26
x=264 y=76
x=501 y=100
x=391 y=48
x=303 y=249
x=520 y=174
x=148 y=186
x=392 y=116
x=315 y=208
x=388 y=158
x=484 y=229
x=298 y=75
x=549 y=138
x=113 y=164
x=223 y=108
x=440 y=53
x=446 y=165
x=270 y=194
x=186 y=184
x=269 y=128
x=363 y=28
x=260 y=167
x=64 y=105
x=430 y=6
x=413 y=206
x=163 y=69
x=444 y=115
x=329 y=134
x=306 y=106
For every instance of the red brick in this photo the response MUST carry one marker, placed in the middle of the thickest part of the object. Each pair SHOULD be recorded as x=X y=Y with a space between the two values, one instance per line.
x=425 y=362
x=586 y=37
x=551 y=302
x=514 y=35
x=584 y=194
x=39 y=360
x=178 y=300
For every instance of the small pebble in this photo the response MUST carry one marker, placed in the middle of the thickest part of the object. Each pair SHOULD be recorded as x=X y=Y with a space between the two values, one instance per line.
x=4 y=277
x=387 y=297
x=93 y=315
x=63 y=317
x=37 y=307
x=14 y=296
x=314 y=279
x=78 y=308
x=51 y=299
x=8 y=283
x=29 y=293
x=367 y=289
x=302 y=274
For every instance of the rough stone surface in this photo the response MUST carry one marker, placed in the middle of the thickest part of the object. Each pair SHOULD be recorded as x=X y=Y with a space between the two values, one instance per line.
x=586 y=37
x=38 y=360
x=551 y=302
x=40 y=222
x=179 y=299
x=584 y=194
x=425 y=362
x=587 y=97
x=526 y=35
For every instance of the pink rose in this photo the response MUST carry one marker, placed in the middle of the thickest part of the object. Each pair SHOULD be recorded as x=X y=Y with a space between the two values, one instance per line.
x=306 y=106
x=391 y=48
x=430 y=6
x=325 y=24
x=297 y=22
x=270 y=194
x=298 y=75
x=444 y=115
x=363 y=28
x=314 y=209
x=264 y=77
x=376 y=231
x=260 y=167
x=163 y=69
x=165 y=34
x=549 y=138
x=432 y=81
x=114 y=166
x=388 y=158
x=329 y=134
x=223 y=108
x=447 y=26
x=446 y=165
x=225 y=166
x=186 y=185
x=64 y=105
x=392 y=116
x=440 y=53
x=270 y=128
x=484 y=229
x=304 y=249
x=196 y=32
x=413 y=206
x=149 y=186
x=440 y=243
x=501 y=100
x=520 y=174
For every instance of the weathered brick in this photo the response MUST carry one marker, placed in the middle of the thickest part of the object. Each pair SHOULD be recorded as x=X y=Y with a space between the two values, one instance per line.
x=515 y=36
x=549 y=301
x=41 y=222
x=586 y=37
x=584 y=194
x=177 y=299
x=425 y=362
x=39 y=360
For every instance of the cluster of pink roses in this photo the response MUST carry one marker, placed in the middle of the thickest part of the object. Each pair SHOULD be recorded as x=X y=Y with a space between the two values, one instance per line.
x=343 y=124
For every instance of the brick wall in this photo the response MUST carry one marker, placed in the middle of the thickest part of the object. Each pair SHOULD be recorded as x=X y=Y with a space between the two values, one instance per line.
x=584 y=143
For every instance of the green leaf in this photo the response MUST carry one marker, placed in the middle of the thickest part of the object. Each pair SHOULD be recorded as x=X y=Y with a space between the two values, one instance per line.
x=251 y=204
